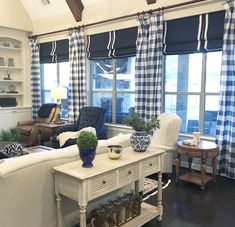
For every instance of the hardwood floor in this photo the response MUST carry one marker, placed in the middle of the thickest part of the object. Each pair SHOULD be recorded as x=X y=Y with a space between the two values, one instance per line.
x=186 y=205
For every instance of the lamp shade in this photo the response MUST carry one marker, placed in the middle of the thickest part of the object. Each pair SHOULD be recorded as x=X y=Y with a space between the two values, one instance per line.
x=59 y=93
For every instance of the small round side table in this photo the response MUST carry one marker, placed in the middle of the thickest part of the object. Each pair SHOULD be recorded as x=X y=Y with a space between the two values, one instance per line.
x=203 y=150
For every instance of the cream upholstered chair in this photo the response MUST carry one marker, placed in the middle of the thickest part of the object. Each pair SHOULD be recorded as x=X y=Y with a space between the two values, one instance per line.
x=165 y=138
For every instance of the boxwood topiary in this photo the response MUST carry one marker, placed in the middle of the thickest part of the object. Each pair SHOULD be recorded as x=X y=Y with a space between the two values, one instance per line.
x=87 y=140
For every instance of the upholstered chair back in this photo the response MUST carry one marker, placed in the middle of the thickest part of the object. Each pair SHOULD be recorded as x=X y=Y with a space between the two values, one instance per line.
x=167 y=135
x=165 y=138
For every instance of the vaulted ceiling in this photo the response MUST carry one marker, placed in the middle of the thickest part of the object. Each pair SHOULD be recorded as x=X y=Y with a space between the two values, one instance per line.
x=39 y=9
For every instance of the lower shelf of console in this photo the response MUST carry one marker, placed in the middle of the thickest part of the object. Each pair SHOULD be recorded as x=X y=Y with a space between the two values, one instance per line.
x=148 y=212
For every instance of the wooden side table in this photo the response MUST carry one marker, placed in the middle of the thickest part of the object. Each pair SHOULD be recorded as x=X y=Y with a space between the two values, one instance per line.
x=51 y=127
x=203 y=150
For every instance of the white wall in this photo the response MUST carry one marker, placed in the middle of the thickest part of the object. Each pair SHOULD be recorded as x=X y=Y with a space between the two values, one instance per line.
x=13 y=15
x=116 y=8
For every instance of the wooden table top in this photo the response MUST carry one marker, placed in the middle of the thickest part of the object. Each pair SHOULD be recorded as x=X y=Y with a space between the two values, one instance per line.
x=202 y=146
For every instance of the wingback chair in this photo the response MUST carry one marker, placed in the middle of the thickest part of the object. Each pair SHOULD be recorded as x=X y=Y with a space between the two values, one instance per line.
x=29 y=132
x=89 y=116
x=165 y=138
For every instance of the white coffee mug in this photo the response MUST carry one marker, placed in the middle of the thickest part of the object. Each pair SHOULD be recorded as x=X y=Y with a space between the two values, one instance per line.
x=196 y=137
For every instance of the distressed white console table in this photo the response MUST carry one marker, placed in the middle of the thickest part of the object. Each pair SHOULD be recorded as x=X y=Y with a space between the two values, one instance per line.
x=85 y=184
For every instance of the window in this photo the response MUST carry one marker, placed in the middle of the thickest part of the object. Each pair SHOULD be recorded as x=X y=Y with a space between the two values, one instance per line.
x=113 y=86
x=52 y=75
x=192 y=83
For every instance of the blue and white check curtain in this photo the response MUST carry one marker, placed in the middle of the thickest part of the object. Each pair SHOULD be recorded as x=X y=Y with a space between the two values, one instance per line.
x=77 y=81
x=149 y=65
x=35 y=77
x=226 y=116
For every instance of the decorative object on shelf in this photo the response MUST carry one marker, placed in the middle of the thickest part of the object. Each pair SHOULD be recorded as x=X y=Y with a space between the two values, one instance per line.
x=117 y=212
x=11 y=62
x=2 y=61
x=6 y=44
x=2 y=90
x=59 y=93
x=8 y=76
x=87 y=143
x=114 y=151
x=140 y=139
x=12 y=89
x=17 y=45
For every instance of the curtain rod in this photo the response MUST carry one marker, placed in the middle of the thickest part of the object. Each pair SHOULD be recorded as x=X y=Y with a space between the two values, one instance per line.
x=122 y=17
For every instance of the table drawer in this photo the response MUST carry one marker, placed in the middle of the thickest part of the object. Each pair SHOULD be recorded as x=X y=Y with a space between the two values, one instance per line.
x=102 y=183
x=190 y=153
x=151 y=165
x=129 y=174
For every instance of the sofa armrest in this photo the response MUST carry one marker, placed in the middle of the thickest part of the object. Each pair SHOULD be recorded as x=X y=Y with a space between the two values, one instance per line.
x=25 y=123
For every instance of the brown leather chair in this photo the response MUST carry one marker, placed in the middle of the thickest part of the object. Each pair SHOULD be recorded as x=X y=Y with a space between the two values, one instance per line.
x=29 y=131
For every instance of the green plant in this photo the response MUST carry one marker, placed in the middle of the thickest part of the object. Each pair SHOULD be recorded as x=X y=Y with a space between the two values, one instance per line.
x=138 y=124
x=87 y=140
x=13 y=134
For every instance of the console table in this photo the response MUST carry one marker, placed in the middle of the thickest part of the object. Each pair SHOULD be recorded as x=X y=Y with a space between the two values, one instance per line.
x=85 y=184
x=203 y=150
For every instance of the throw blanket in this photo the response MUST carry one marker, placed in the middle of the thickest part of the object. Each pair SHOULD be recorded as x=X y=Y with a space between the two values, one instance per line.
x=64 y=136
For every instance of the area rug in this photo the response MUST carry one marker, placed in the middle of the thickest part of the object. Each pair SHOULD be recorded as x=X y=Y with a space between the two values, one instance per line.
x=151 y=187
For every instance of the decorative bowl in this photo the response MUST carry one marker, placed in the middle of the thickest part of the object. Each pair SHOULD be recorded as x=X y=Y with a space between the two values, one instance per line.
x=114 y=151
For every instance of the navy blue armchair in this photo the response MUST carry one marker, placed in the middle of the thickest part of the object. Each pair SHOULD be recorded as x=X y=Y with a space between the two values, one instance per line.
x=89 y=116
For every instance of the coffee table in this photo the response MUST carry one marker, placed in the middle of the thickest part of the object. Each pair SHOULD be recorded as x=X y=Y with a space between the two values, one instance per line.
x=86 y=184
x=39 y=148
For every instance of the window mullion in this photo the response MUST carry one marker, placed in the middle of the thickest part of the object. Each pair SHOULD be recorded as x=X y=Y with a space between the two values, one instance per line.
x=202 y=96
x=58 y=74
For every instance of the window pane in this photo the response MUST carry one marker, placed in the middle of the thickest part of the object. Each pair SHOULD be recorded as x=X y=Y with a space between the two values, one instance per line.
x=125 y=73
x=211 y=109
x=123 y=104
x=50 y=76
x=103 y=100
x=187 y=108
x=64 y=74
x=213 y=69
x=183 y=73
x=102 y=74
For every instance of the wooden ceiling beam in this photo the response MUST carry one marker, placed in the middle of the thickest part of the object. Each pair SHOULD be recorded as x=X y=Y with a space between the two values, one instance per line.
x=76 y=7
x=151 y=1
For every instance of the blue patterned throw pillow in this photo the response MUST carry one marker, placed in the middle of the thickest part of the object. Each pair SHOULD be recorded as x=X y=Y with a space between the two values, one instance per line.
x=14 y=149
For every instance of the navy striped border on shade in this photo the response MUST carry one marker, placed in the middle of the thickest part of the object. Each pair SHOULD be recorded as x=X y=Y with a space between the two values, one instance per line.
x=200 y=33
x=55 y=51
x=119 y=43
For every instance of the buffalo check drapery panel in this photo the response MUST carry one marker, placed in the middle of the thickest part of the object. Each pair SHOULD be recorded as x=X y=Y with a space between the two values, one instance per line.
x=149 y=65
x=35 y=77
x=77 y=81
x=225 y=132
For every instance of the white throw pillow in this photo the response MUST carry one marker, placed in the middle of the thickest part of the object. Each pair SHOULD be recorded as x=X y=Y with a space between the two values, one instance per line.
x=64 y=136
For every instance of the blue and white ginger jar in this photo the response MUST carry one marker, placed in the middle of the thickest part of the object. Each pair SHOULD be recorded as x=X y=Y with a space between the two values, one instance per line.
x=140 y=141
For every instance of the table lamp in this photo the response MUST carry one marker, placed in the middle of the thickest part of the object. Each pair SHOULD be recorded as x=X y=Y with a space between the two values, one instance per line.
x=59 y=93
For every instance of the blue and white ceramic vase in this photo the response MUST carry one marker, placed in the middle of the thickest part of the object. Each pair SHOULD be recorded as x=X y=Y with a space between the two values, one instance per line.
x=87 y=156
x=140 y=141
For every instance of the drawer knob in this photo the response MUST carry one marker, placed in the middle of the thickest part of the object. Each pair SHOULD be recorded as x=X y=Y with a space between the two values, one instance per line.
x=129 y=172
x=104 y=182
x=150 y=164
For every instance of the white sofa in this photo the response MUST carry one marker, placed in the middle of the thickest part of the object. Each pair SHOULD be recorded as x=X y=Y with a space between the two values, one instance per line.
x=27 y=187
